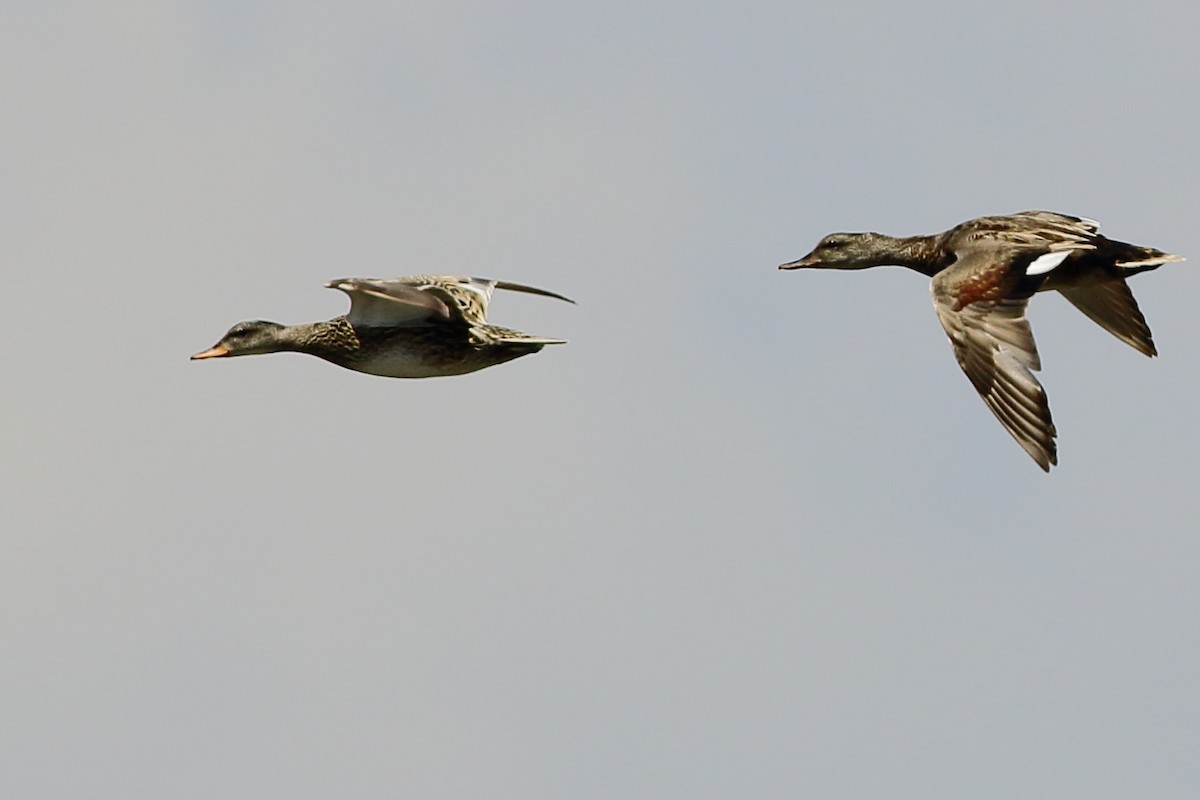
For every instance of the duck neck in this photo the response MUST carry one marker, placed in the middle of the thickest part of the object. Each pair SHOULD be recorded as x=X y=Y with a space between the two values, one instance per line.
x=919 y=253
x=321 y=339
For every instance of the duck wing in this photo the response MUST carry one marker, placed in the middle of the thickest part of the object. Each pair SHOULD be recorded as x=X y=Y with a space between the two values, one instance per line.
x=391 y=303
x=980 y=301
x=1036 y=232
x=1081 y=227
x=467 y=297
x=1111 y=306
x=419 y=300
x=517 y=287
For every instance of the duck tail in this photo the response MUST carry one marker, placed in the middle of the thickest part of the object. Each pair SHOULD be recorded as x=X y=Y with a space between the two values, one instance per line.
x=525 y=338
x=494 y=334
x=1132 y=259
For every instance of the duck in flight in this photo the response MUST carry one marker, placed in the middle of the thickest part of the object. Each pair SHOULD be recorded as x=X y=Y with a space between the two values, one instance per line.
x=983 y=273
x=418 y=326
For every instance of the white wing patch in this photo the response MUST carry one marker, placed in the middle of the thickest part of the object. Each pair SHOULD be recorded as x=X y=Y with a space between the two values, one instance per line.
x=1043 y=264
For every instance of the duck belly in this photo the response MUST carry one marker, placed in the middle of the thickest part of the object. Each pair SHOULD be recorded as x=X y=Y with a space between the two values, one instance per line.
x=407 y=364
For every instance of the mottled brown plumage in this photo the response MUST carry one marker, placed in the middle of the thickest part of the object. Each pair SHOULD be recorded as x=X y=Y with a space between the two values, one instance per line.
x=983 y=273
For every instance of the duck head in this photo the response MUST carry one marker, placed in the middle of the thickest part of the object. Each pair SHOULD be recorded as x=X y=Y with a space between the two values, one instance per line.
x=248 y=338
x=843 y=251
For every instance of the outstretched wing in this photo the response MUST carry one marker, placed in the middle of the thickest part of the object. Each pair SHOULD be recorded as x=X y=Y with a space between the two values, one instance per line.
x=391 y=303
x=1111 y=306
x=426 y=300
x=467 y=297
x=517 y=287
x=418 y=300
x=994 y=346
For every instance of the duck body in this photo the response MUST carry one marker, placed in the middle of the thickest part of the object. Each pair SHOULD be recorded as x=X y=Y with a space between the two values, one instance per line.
x=419 y=326
x=983 y=273
x=421 y=352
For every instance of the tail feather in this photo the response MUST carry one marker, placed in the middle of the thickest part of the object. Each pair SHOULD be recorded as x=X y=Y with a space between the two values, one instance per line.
x=1132 y=259
x=523 y=339
x=494 y=334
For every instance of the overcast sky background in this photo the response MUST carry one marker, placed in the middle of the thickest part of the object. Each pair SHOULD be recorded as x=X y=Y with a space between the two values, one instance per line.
x=750 y=534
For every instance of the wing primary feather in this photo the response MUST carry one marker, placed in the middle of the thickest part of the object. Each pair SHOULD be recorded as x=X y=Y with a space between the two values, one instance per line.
x=517 y=287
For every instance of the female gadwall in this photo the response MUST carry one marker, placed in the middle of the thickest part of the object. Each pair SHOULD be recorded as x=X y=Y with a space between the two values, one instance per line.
x=419 y=326
x=984 y=272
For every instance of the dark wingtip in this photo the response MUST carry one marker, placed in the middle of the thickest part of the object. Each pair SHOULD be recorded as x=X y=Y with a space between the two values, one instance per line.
x=519 y=287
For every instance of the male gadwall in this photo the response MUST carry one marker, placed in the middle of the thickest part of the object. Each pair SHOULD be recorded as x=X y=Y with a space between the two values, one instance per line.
x=984 y=272
x=419 y=326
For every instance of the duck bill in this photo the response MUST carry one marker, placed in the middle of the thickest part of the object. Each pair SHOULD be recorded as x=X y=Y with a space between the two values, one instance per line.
x=807 y=261
x=212 y=352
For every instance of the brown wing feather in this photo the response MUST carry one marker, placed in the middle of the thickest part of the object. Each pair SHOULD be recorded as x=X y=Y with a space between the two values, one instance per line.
x=1077 y=226
x=994 y=346
x=390 y=304
x=1035 y=231
x=1111 y=306
x=469 y=297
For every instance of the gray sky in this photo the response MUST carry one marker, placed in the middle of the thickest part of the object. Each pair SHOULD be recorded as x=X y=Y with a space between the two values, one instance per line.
x=750 y=534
